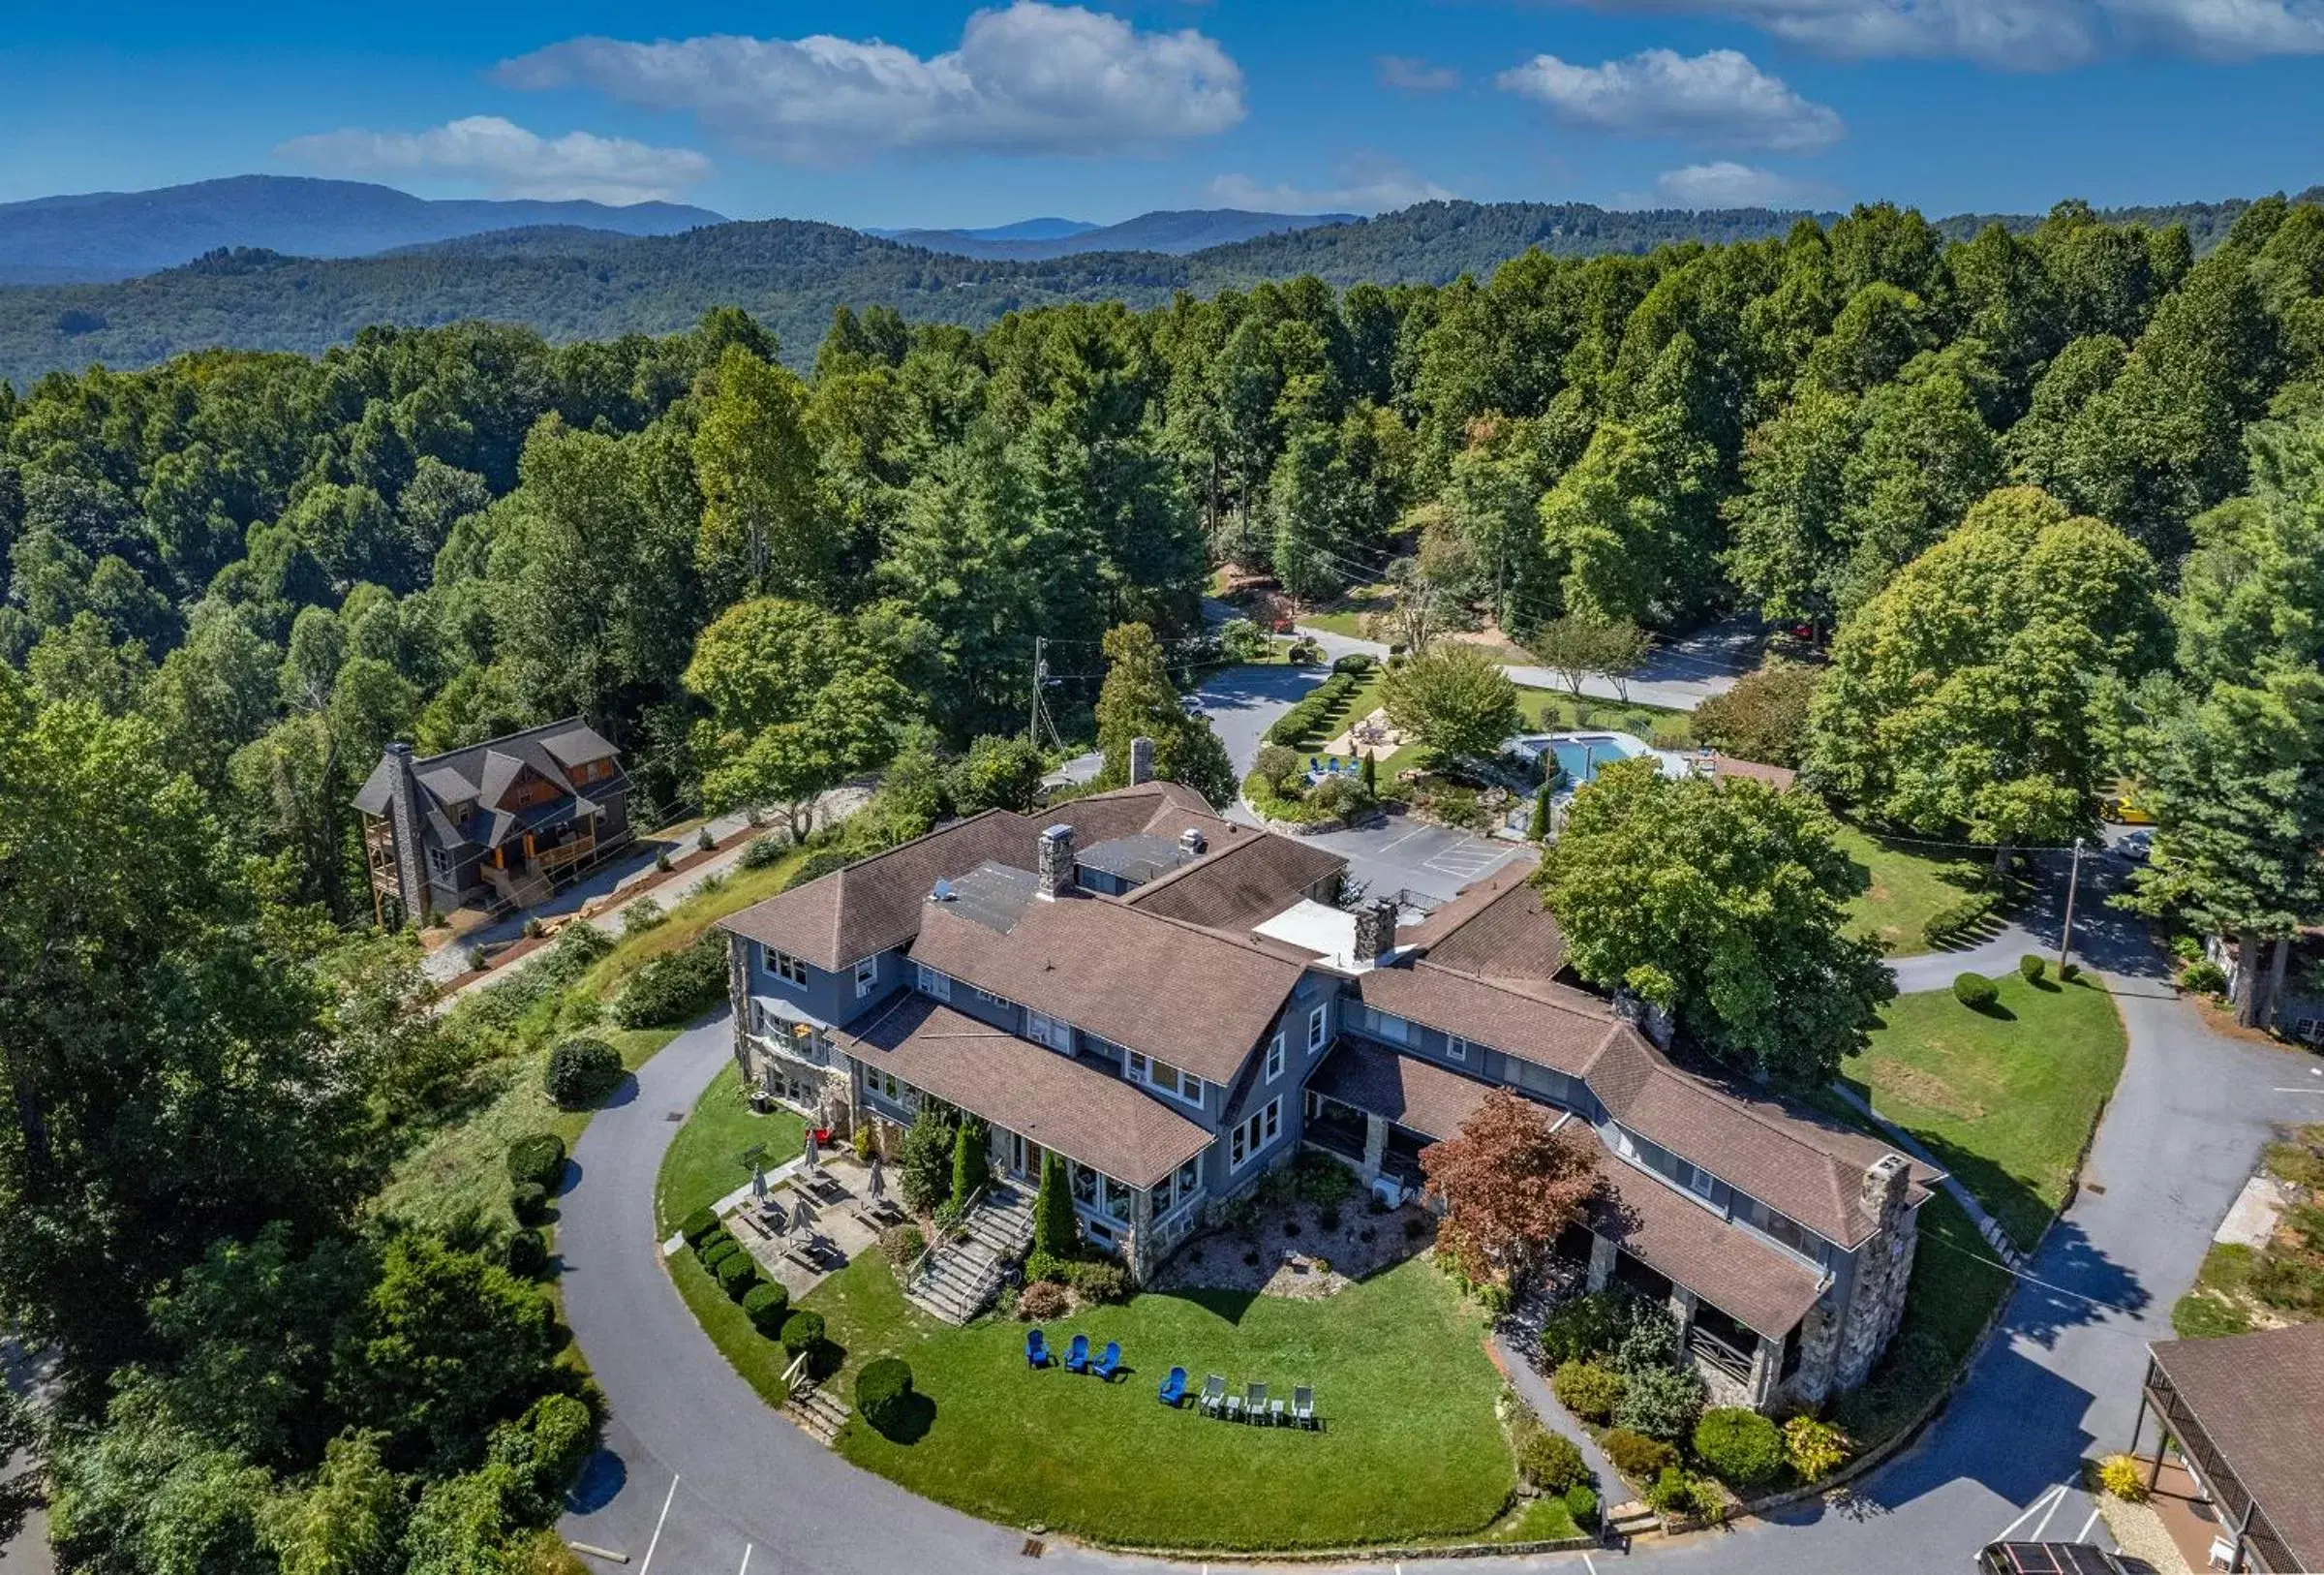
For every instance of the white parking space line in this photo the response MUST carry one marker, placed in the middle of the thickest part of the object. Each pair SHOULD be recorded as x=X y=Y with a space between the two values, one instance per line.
x=2048 y=1499
x=2043 y=1524
x=2083 y=1535
x=664 y=1520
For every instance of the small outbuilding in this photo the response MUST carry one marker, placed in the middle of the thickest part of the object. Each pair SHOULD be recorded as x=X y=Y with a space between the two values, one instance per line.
x=2244 y=1414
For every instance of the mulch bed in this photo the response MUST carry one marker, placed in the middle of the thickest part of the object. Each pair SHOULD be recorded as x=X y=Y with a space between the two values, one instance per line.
x=1278 y=1253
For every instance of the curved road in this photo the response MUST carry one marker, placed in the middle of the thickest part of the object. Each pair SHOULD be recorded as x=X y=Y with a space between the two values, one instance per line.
x=699 y=1475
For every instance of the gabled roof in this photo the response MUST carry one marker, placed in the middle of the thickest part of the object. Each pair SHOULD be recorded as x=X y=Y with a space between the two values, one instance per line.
x=1080 y=1110
x=1250 y=880
x=1416 y=1094
x=1188 y=995
x=482 y=772
x=1497 y=929
x=874 y=904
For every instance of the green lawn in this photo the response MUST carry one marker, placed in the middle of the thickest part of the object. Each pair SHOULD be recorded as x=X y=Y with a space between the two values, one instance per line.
x=462 y=1169
x=1956 y=1284
x=1910 y=884
x=1410 y=1448
x=686 y=923
x=704 y=1161
x=2003 y=1099
x=1346 y=617
x=1549 y=709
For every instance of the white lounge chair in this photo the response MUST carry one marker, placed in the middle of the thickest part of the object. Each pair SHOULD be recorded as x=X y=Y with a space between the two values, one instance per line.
x=1213 y=1398
x=1254 y=1403
x=1302 y=1404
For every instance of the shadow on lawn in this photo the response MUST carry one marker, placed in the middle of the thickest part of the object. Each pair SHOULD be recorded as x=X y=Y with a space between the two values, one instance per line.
x=916 y=1414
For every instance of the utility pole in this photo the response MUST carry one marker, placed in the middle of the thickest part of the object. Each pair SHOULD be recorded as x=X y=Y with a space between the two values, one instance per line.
x=2066 y=940
x=1032 y=721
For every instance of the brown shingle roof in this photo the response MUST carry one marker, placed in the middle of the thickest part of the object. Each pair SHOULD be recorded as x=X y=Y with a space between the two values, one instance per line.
x=1242 y=884
x=1758 y=1284
x=874 y=904
x=1509 y=936
x=1787 y=1158
x=1414 y=1093
x=1778 y=777
x=1083 y=1112
x=1188 y=996
x=2259 y=1398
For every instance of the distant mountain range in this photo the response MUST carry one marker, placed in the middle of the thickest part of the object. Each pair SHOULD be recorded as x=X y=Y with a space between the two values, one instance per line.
x=583 y=281
x=122 y=235
x=1171 y=234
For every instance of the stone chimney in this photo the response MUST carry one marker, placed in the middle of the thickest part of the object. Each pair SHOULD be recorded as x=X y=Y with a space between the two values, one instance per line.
x=1141 y=760
x=1191 y=843
x=404 y=818
x=1375 y=930
x=1882 y=1196
x=1055 y=873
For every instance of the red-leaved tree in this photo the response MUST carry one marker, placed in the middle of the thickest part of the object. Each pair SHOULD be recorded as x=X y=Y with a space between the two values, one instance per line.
x=1509 y=1185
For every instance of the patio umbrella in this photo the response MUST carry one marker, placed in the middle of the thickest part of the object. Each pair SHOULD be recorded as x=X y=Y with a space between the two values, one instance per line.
x=812 y=1146
x=880 y=1182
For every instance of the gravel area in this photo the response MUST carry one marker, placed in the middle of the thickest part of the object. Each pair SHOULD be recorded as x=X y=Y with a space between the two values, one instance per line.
x=2140 y=1532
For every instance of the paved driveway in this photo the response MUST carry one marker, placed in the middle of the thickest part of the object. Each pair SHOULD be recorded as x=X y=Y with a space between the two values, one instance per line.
x=1400 y=855
x=28 y=1554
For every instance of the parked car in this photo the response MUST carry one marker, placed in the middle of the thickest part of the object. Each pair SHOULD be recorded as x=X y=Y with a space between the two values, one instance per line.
x=2056 y=1559
x=2137 y=848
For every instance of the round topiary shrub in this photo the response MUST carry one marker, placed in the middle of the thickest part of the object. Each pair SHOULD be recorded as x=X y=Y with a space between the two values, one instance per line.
x=737 y=1275
x=1976 y=991
x=1552 y=1462
x=529 y=1201
x=564 y=1433
x=768 y=1304
x=883 y=1393
x=2029 y=968
x=1587 y=1390
x=528 y=1254
x=538 y=1158
x=1581 y=1503
x=802 y=1334
x=717 y=1250
x=1741 y=1447
x=709 y=1246
x=1635 y=1455
x=581 y=1072
x=698 y=1225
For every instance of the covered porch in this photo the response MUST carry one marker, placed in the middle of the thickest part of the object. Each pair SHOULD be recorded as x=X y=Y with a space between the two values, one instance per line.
x=2239 y=1414
x=1376 y=1109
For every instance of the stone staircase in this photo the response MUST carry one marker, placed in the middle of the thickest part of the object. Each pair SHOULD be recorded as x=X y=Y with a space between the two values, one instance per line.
x=818 y=1412
x=959 y=1278
x=522 y=888
x=1632 y=1519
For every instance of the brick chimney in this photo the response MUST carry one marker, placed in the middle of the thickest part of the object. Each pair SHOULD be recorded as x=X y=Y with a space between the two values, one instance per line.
x=1055 y=873
x=1375 y=930
x=1882 y=1196
x=402 y=818
x=1141 y=760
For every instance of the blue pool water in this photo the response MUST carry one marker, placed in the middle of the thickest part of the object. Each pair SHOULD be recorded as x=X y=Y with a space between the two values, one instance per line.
x=1581 y=755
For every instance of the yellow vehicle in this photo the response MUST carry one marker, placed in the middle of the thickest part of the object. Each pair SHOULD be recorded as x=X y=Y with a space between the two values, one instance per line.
x=2124 y=809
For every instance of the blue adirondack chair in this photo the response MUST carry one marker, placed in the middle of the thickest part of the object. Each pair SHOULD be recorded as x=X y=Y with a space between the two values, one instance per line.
x=1037 y=1349
x=1172 y=1392
x=1077 y=1354
x=1109 y=1361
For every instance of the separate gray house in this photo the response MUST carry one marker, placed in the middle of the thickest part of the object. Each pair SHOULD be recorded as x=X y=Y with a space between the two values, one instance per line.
x=503 y=822
x=1175 y=1004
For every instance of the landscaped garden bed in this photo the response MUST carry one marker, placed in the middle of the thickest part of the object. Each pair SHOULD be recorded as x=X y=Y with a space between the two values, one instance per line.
x=2280 y=1281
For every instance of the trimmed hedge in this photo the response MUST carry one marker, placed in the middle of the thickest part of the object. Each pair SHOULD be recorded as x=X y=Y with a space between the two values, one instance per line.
x=1949 y=921
x=1635 y=1455
x=1581 y=1503
x=527 y=1255
x=768 y=1304
x=717 y=1250
x=581 y=1072
x=538 y=1158
x=1356 y=663
x=529 y=1201
x=883 y=1393
x=1741 y=1447
x=1589 y=1391
x=737 y=1275
x=1306 y=719
x=1976 y=991
x=802 y=1334
x=2029 y=968
x=697 y=1226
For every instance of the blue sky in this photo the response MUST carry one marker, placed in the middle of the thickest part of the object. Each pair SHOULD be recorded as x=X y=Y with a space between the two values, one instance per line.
x=887 y=112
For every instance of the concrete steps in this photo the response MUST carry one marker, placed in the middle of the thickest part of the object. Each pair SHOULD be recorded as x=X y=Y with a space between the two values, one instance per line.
x=816 y=1411
x=960 y=1278
x=1632 y=1519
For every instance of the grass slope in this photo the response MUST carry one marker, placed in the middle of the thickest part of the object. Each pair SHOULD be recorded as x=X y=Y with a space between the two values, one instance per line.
x=704 y=1162
x=2005 y=1098
x=1909 y=886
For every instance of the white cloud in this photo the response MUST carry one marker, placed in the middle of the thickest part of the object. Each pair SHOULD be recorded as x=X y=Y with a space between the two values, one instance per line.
x=2023 y=35
x=1367 y=186
x=1410 y=74
x=508 y=160
x=1722 y=184
x=1719 y=97
x=1028 y=79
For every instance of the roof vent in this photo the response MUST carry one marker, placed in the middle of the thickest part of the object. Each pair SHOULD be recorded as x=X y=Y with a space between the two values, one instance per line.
x=943 y=892
x=1191 y=843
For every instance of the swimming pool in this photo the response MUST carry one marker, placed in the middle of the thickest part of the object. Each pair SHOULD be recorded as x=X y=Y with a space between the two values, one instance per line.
x=1580 y=755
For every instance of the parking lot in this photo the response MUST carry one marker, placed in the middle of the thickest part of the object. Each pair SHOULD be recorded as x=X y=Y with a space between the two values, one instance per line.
x=1436 y=861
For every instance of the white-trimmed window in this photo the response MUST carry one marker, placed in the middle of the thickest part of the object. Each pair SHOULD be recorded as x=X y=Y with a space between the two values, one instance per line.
x=933 y=983
x=867 y=975
x=783 y=966
x=1275 y=1058
x=1698 y=1181
x=1316 y=1021
x=1054 y=1031
x=1456 y=1048
x=1251 y=1136
x=1162 y=1077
